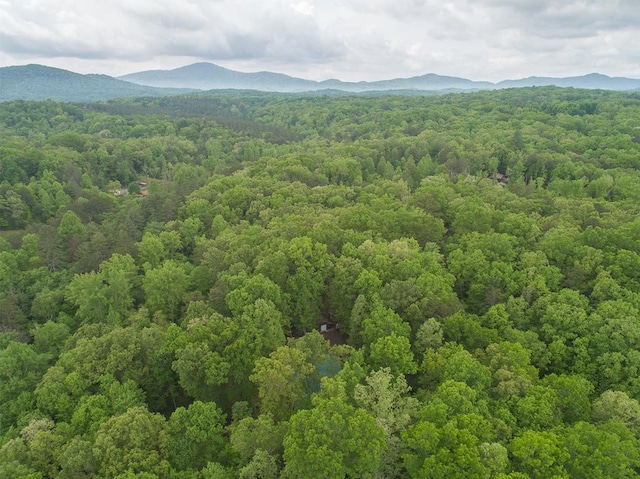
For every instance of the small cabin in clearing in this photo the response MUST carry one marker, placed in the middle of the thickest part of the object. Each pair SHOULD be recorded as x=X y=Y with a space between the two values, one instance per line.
x=500 y=178
x=328 y=326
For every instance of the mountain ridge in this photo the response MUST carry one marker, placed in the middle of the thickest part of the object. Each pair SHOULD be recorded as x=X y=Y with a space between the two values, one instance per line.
x=39 y=82
x=209 y=76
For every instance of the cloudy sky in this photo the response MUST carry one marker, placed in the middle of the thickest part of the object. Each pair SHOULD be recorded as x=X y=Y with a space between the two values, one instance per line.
x=320 y=39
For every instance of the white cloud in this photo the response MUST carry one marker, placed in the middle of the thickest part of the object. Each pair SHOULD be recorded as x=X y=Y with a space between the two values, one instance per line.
x=348 y=39
x=303 y=8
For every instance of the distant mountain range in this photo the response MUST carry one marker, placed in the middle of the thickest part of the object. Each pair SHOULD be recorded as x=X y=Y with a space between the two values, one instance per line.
x=37 y=82
x=592 y=81
x=207 y=76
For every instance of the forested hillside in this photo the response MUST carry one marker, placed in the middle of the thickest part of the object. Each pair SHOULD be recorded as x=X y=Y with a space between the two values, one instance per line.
x=38 y=82
x=167 y=264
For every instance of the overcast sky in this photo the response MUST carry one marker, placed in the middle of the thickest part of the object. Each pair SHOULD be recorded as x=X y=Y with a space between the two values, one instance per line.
x=320 y=39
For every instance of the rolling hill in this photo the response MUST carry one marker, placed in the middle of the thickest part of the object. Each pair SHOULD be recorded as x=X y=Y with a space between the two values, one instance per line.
x=38 y=82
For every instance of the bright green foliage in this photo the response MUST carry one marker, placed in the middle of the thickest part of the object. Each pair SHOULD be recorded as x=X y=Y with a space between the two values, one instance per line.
x=453 y=398
x=165 y=288
x=573 y=396
x=50 y=337
x=481 y=247
x=342 y=290
x=37 y=446
x=512 y=372
x=494 y=457
x=119 y=356
x=382 y=322
x=333 y=440
x=86 y=292
x=538 y=409
x=121 y=352
x=14 y=212
x=194 y=436
x=119 y=278
x=257 y=332
x=151 y=251
x=90 y=412
x=251 y=289
x=485 y=276
x=281 y=381
x=617 y=406
x=467 y=330
x=77 y=459
x=105 y=296
x=199 y=370
x=540 y=454
x=463 y=367
x=448 y=442
x=308 y=268
x=59 y=392
x=385 y=397
x=359 y=312
x=200 y=361
x=70 y=226
x=262 y=466
x=393 y=352
x=20 y=371
x=131 y=441
x=368 y=284
x=562 y=318
x=609 y=450
x=214 y=470
x=428 y=336
x=251 y=435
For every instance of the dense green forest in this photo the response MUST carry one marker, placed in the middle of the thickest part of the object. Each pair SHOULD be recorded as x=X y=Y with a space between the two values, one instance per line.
x=480 y=254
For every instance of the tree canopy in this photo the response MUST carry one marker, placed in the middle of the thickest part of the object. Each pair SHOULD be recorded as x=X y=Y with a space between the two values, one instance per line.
x=244 y=285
